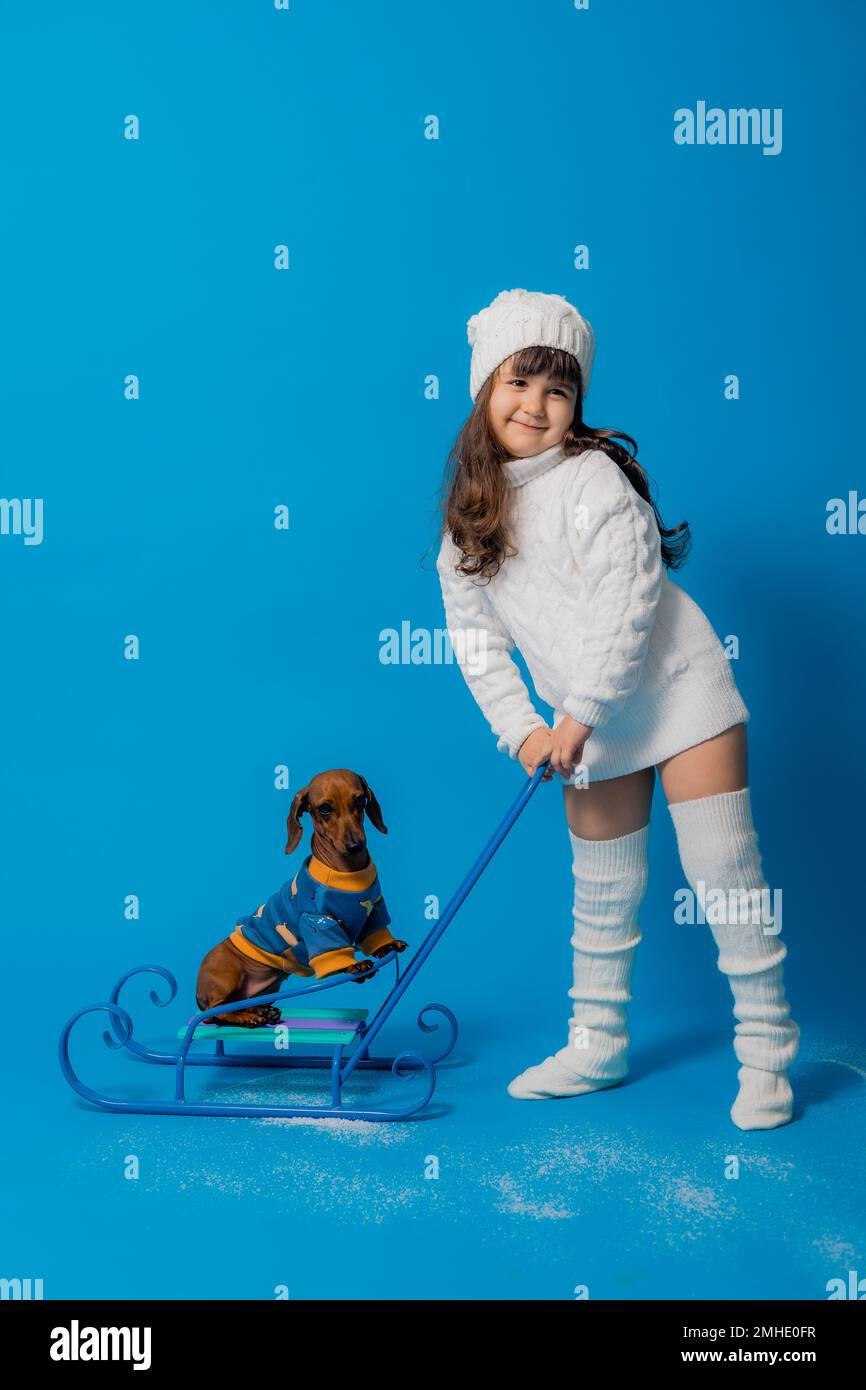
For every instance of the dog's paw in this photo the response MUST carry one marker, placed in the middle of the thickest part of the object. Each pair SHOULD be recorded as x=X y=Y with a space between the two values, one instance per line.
x=244 y=1018
x=386 y=950
x=271 y=1014
x=360 y=971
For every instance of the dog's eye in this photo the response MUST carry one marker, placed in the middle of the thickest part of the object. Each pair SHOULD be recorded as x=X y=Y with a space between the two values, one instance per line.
x=324 y=810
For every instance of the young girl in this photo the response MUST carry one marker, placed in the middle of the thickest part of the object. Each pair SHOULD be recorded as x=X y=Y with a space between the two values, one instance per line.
x=551 y=542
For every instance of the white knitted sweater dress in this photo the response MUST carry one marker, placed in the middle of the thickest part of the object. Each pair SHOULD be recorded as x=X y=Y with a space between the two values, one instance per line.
x=606 y=636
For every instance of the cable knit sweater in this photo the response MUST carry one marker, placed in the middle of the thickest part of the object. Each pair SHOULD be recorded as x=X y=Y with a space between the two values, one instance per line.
x=606 y=636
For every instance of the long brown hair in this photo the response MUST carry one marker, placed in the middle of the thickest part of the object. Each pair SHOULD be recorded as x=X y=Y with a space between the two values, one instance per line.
x=476 y=489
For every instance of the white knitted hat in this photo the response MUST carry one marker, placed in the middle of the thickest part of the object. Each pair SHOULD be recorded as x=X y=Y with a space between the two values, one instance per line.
x=523 y=318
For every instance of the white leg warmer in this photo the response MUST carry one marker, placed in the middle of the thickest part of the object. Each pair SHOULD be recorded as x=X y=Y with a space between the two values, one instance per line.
x=718 y=849
x=610 y=881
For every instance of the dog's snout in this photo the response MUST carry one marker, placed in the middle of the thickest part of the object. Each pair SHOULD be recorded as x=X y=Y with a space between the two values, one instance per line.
x=352 y=846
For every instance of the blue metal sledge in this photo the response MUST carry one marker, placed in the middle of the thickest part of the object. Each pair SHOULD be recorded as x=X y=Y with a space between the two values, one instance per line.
x=340 y=1038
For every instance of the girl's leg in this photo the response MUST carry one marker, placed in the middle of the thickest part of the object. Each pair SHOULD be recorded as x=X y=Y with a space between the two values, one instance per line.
x=710 y=804
x=608 y=827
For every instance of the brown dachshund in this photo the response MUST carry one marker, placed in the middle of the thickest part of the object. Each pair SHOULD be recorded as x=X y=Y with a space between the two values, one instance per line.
x=330 y=909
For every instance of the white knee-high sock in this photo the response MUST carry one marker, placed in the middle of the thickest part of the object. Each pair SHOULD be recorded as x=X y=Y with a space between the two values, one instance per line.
x=610 y=881
x=719 y=850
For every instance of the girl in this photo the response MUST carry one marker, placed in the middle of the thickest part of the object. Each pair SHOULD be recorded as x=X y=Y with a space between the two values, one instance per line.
x=551 y=542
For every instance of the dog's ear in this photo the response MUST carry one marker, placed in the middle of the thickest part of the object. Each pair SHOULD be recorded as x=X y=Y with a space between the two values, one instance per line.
x=373 y=809
x=294 y=829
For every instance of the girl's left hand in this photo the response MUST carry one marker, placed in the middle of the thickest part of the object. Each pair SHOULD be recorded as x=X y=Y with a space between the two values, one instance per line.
x=567 y=748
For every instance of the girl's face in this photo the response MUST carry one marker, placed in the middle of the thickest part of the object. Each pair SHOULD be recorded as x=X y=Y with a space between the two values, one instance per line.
x=529 y=414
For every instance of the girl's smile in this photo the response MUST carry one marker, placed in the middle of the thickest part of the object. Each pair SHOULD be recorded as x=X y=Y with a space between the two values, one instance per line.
x=548 y=399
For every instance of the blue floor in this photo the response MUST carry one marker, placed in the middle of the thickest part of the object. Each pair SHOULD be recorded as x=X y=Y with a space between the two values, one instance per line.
x=623 y=1192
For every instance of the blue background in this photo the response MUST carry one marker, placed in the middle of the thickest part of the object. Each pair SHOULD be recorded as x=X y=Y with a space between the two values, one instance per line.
x=261 y=647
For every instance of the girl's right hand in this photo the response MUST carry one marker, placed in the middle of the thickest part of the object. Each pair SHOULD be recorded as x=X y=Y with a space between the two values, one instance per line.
x=534 y=749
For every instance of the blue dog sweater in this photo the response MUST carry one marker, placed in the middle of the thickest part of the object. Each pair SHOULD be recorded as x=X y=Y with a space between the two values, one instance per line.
x=315 y=922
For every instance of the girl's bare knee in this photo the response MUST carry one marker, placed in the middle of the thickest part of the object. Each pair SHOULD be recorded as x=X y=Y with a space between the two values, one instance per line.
x=718 y=764
x=616 y=806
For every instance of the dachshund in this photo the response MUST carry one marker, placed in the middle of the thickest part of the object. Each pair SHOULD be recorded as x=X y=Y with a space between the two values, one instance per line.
x=315 y=922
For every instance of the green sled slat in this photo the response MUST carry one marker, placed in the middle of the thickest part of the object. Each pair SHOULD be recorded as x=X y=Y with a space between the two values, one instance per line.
x=265 y=1037
x=295 y=1035
x=350 y=1015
